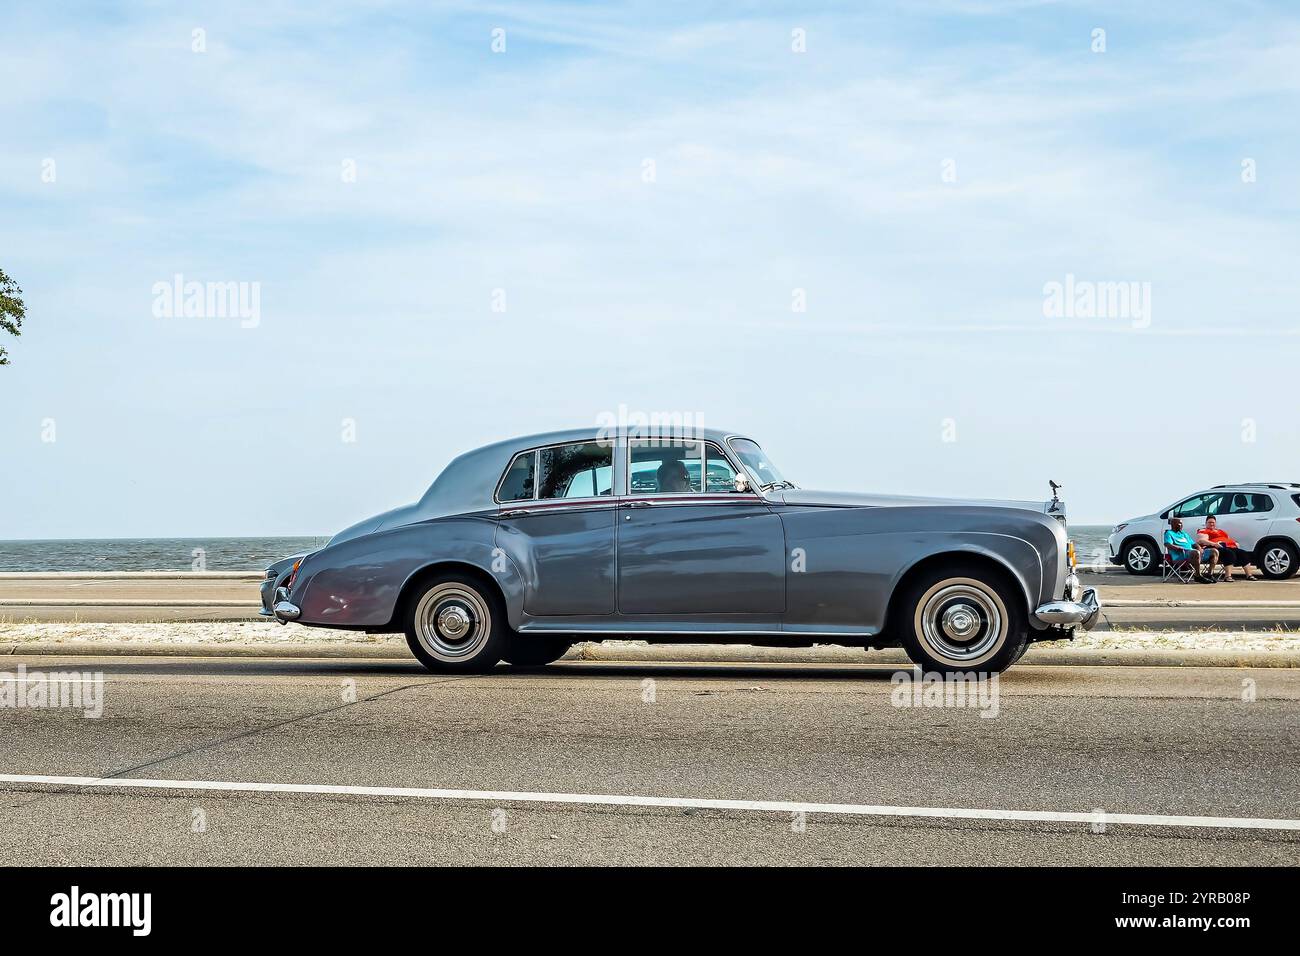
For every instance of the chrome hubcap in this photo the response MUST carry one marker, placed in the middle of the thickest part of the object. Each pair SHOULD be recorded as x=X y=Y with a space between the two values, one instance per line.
x=961 y=621
x=452 y=622
x=1277 y=560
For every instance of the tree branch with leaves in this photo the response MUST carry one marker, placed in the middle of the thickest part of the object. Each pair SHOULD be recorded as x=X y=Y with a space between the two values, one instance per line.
x=12 y=311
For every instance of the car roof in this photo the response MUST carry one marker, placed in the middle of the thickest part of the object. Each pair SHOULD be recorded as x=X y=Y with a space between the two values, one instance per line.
x=593 y=432
x=469 y=481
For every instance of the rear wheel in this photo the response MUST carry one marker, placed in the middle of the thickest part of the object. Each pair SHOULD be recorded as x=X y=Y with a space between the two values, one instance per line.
x=962 y=618
x=535 y=650
x=1278 y=560
x=456 y=624
x=1141 y=557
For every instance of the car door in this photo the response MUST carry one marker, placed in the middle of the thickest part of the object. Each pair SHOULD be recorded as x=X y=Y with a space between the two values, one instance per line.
x=1246 y=516
x=688 y=542
x=556 y=523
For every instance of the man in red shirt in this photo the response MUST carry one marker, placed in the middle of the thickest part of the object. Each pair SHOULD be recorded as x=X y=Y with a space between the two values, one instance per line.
x=1230 y=553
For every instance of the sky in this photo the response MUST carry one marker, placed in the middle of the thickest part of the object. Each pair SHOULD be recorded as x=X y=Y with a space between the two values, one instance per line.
x=847 y=230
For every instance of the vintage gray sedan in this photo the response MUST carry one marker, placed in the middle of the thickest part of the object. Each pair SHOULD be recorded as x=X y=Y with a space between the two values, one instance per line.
x=521 y=548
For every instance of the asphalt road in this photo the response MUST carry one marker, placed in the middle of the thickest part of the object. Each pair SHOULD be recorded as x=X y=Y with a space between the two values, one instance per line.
x=1121 y=740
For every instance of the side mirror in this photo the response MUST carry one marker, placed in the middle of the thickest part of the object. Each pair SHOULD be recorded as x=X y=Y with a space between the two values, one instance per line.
x=741 y=483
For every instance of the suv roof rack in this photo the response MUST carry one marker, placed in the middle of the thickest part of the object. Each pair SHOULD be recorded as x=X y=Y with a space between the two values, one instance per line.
x=1278 y=485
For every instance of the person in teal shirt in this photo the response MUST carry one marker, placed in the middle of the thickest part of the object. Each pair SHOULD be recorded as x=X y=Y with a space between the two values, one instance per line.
x=1181 y=547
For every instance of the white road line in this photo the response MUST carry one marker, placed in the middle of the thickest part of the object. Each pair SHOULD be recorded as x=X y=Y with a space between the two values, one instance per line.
x=10 y=679
x=612 y=800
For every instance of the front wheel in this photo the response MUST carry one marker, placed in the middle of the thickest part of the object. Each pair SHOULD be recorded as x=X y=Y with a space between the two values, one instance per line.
x=963 y=619
x=1141 y=557
x=456 y=624
x=1278 y=560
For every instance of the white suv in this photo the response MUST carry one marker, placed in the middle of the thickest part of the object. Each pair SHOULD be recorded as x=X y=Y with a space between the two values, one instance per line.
x=1263 y=517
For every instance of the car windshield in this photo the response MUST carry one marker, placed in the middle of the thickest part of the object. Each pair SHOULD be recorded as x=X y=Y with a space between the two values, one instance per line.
x=757 y=464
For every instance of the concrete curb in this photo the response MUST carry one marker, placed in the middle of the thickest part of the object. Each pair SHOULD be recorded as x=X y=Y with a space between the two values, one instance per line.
x=659 y=653
x=253 y=576
x=1171 y=603
x=131 y=649
x=177 y=604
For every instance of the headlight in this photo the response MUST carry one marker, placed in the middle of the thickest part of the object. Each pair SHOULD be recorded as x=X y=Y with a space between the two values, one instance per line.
x=272 y=573
x=1118 y=528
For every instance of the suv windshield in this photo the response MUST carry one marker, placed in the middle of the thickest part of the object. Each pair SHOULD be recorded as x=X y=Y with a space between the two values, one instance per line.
x=757 y=463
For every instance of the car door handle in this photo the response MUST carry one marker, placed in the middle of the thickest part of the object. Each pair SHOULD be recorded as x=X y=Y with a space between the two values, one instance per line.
x=517 y=513
x=637 y=504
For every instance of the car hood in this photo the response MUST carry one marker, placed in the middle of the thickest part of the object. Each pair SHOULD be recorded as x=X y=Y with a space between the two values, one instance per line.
x=1150 y=517
x=852 y=499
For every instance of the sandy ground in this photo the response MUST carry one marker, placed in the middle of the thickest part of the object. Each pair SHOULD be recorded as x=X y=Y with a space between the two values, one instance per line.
x=197 y=632
x=261 y=632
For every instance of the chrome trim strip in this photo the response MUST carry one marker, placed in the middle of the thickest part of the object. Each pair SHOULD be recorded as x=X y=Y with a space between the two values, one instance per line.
x=519 y=509
x=535 y=506
x=570 y=629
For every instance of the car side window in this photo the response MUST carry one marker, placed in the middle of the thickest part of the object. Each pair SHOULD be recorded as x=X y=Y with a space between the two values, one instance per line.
x=584 y=470
x=1245 y=503
x=664 y=467
x=1200 y=506
x=519 y=483
x=721 y=477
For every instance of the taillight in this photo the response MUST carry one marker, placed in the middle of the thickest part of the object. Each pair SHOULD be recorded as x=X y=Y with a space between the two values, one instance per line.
x=294 y=573
x=1069 y=552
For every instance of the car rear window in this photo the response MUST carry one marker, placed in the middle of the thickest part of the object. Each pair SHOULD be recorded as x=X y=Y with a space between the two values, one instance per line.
x=518 y=483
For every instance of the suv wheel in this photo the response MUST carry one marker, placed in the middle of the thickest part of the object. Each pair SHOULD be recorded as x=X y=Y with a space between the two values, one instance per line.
x=1141 y=557
x=1278 y=559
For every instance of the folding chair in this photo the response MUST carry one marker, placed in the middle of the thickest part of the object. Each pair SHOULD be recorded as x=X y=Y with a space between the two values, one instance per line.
x=1182 y=569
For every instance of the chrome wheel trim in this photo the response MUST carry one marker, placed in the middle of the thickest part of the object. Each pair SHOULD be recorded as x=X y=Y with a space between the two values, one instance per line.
x=1139 y=557
x=452 y=622
x=1277 y=561
x=961 y=622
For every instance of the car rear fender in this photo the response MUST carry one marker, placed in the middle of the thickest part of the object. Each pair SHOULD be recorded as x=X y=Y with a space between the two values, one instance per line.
x=359 y=583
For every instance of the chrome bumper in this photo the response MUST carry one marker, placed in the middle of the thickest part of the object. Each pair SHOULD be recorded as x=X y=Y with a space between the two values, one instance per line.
x=284 y=609
x=1082 y=613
